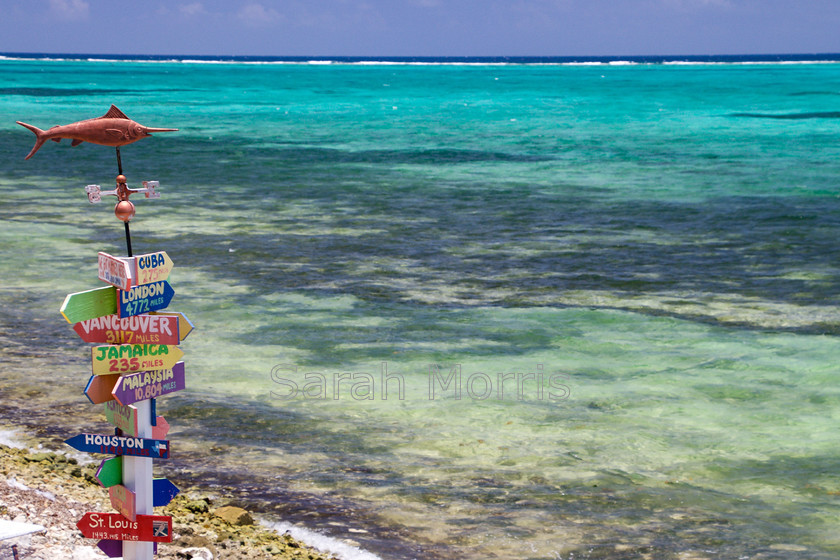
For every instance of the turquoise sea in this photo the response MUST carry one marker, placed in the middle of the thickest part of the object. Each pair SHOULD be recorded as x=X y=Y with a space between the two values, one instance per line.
x=474 y=309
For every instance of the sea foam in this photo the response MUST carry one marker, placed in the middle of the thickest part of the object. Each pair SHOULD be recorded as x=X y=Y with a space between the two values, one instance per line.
x=11 y=438
x=323 y=543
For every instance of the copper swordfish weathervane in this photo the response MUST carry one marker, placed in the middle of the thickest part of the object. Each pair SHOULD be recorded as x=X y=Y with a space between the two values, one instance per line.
x=111 y=129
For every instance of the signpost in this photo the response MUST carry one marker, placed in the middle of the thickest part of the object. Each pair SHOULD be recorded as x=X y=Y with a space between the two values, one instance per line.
x=128 y=358
x=144 y=385
x=138 y=362
x=114 y=526
x=137 y=329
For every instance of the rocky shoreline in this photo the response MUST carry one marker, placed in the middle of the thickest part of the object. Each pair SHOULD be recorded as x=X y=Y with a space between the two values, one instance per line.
x=53 y=490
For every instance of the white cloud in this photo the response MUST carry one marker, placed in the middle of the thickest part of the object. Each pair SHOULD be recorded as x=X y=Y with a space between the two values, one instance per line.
x=258 y=15
x=194 y=9
x=70 y=10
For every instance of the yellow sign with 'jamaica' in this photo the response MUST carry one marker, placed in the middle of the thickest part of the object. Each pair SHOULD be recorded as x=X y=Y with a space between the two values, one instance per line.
x=128 y=358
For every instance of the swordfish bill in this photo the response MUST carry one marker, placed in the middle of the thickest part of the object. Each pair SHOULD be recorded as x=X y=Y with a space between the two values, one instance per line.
x=111 y=129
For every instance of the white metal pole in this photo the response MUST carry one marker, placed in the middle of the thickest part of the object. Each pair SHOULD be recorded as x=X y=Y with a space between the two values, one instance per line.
x=137 y=477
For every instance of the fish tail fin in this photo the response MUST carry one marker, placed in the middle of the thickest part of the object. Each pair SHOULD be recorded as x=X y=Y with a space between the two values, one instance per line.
x=40 y=136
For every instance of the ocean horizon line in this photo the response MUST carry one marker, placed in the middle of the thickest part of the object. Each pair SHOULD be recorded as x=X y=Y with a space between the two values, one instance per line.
x=778 y=58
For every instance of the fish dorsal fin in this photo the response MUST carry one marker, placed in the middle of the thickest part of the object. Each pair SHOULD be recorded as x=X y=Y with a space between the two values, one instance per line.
x=114 y=113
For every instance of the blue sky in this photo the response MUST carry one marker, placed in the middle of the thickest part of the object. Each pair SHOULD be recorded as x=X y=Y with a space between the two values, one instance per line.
x=420 y=27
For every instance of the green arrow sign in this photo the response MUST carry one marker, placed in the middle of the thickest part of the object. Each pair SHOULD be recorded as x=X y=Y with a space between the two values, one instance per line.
x=109 y=472
x=82 y=306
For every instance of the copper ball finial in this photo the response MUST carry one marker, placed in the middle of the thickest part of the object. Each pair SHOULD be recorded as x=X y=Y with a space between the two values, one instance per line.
x=121 y=179
x=124 y=210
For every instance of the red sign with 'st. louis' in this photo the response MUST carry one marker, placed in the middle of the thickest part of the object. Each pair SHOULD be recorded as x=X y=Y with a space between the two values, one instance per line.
x=113 y=526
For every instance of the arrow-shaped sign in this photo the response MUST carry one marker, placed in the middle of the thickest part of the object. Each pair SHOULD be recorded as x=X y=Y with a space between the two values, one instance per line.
x=137 y=329
x=124 y=501
x=136 y=387
x=120 y=445
x=113 y=549
x=153 y=267
x=99 y=387
x=90 y=304
x=160 y=428
x=117 y=271
x=109 y=472
x=144 y=298
x=185 y=326
x=128 y=358
x=113 y=526
x=162 y=492
x=123 y=417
